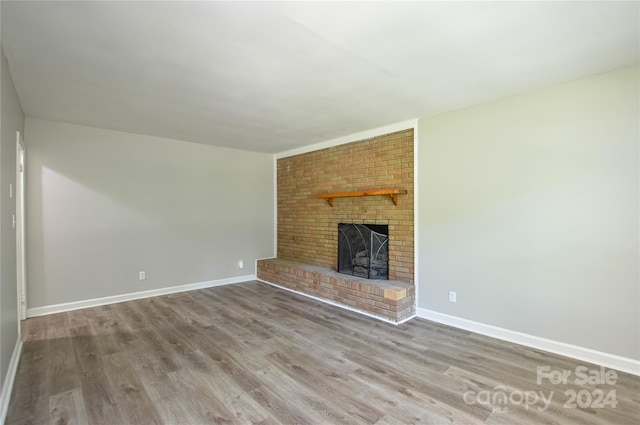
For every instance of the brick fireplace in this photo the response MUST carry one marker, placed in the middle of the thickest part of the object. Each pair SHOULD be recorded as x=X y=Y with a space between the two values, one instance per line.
x=307 y=226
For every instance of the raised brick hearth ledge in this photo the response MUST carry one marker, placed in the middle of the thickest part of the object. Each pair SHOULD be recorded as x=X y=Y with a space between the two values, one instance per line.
x=390 y=300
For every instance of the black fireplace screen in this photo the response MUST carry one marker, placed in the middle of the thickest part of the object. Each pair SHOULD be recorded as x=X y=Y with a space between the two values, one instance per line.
x=363 y=250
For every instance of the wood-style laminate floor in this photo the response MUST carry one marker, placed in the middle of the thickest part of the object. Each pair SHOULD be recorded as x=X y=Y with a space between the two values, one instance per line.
x=252 y=353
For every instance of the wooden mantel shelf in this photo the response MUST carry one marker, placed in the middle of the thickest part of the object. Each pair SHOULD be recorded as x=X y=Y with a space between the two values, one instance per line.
x=391 y=192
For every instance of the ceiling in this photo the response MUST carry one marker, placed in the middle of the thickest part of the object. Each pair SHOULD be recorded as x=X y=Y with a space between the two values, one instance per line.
x=276 y=76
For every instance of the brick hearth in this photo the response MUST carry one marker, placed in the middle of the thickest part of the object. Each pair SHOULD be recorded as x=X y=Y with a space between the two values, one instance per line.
x=388 y=299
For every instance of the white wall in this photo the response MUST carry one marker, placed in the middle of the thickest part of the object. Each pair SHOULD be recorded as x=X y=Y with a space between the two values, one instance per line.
x=12 y=120
x=103 y=205
x=528 y=209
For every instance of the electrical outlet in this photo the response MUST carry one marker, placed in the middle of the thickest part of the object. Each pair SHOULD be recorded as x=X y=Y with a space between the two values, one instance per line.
x=240 y=264
x=452 y=297
x=142 y=275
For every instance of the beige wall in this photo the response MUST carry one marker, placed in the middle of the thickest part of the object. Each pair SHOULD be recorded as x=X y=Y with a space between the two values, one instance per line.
x=12 y=120
x=103 y=205
x=528 y=209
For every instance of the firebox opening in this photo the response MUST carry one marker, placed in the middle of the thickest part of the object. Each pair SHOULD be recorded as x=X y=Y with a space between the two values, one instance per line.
x=363 y=250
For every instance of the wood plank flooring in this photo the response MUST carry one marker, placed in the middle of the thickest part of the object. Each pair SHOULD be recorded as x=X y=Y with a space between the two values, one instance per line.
x=250 y=353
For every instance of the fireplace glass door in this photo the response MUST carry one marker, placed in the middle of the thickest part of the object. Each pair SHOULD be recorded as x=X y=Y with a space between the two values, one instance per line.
x=363 y=250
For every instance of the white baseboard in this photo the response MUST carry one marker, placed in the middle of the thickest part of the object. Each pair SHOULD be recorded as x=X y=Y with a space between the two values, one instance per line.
x=611 y=361
x=95 y=302
x=335 y=304
x=7 y=386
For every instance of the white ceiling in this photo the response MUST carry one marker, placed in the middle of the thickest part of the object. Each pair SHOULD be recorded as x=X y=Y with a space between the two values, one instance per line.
x=271 y=76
